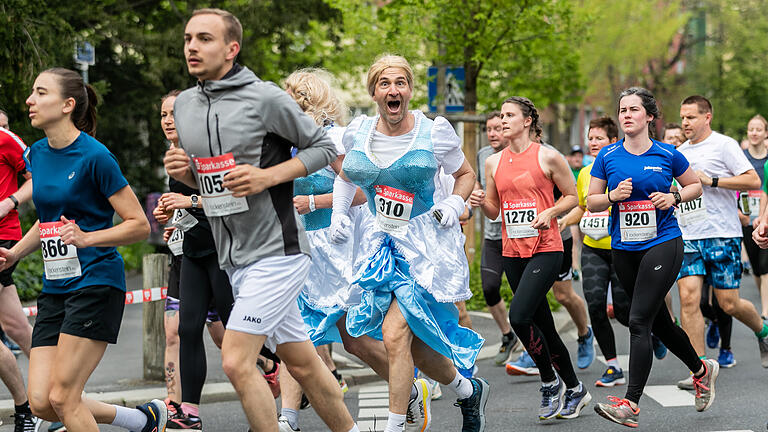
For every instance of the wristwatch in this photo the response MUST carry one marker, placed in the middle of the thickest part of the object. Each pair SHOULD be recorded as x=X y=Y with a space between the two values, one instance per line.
x=195 y=200
x=14 y=201
x=714 y=181
x=678 y=198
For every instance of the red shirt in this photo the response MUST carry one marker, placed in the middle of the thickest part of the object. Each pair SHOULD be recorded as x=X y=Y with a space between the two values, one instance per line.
x=11 y=164
x=524 y=191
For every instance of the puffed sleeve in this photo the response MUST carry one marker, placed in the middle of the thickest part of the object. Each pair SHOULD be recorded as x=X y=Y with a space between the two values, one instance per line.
x=446 y=145
x=348 y=140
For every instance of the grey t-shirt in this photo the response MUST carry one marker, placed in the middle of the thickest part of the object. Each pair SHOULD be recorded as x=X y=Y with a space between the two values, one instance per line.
x=492 y=228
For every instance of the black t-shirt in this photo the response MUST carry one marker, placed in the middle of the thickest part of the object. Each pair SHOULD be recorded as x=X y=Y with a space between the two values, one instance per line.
x=198 y=241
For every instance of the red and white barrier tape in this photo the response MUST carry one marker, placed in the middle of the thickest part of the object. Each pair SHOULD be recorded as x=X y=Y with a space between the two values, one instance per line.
x=131 y=297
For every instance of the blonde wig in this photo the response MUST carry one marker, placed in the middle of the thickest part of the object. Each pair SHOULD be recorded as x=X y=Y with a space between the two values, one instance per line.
x=388 y=61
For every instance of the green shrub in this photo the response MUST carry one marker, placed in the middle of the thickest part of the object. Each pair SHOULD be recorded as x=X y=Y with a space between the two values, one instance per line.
x=29 y=276
x=477 y=302
x=133 y=255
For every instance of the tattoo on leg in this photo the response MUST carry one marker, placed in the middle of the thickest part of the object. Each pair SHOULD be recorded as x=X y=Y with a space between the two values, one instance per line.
x=170 y=375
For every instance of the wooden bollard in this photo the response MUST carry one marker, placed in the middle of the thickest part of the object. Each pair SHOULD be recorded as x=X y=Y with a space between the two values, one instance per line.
x=155 y=272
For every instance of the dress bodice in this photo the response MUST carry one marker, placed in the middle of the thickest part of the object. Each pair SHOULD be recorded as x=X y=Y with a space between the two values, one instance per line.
x=413 y=172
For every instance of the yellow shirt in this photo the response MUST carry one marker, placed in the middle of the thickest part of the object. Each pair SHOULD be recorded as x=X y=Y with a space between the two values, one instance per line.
x=582 y=187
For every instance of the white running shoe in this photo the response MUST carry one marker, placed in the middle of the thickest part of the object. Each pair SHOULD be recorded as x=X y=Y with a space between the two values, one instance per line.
x=419 y=415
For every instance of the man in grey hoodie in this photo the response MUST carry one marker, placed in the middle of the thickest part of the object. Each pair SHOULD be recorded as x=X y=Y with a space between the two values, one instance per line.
x=236 y=133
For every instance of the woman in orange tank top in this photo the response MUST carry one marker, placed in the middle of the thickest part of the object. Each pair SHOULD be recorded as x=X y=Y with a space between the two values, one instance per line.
x=520 y=180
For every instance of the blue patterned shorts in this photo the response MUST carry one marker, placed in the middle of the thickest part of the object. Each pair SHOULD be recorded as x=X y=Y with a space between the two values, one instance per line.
x=717 y=259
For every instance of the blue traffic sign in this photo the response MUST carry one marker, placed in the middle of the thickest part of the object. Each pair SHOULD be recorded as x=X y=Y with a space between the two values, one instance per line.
x=85 y=53
x=454 y=89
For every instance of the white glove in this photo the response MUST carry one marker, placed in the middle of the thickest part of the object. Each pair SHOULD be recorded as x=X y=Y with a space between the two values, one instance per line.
x=448 y=211
x=341 y=228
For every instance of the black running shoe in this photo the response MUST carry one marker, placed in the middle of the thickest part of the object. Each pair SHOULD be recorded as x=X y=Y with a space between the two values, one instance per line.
x=473 y=407
x=26 y=422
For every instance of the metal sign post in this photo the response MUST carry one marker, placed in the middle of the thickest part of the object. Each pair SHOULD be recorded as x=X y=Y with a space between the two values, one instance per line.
x=85 y=56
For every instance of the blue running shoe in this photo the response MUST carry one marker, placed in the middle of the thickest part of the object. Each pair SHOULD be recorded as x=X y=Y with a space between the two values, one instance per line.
x=659 y=350
x=574 y=402
x=552 y=400
x=157 y=415
x=473 y=407
x=713 y=335
x=523 y=366
x=611 y=377
x=726 y=359
x=586 y=354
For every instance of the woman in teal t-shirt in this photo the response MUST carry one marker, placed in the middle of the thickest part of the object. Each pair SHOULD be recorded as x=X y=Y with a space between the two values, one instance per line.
x=77 y=188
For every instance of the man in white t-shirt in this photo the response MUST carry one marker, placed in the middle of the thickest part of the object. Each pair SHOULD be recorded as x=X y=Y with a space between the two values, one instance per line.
x=711 y=228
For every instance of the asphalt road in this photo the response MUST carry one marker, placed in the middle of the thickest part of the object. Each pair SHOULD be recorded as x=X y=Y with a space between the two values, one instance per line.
x=740 y=402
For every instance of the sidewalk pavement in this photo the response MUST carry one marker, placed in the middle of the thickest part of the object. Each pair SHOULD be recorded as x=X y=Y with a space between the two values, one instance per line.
x=118 y=378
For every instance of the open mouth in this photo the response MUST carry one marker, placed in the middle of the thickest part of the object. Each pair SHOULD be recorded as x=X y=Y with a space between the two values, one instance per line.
x=393 y=106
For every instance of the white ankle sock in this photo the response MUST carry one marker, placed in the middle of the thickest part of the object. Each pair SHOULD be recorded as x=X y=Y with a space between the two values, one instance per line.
x=576 y=389
x=614 y=362
x=462 y=386
x=129 y=418
x=354 y=428
x=395 y=422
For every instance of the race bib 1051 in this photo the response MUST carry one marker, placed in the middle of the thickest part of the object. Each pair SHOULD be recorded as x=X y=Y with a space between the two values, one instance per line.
x=217 y=200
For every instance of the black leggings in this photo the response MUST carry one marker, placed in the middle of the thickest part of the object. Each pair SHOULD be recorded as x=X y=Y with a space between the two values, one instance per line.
x=530 y=317
x=597 y=273
x=717 y=315
x=201 y=283
x=658 y=267
x=490 y=271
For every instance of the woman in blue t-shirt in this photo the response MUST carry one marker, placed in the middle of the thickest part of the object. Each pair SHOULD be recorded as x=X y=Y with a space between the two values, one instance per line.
x=77 y=189
x=646 y=240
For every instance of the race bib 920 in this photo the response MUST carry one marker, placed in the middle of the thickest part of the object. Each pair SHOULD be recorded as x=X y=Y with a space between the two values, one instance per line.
x=217 y=200
x=638 y=221
x=60 y=260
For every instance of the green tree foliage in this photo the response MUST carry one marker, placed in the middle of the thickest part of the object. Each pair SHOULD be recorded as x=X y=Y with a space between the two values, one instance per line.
x=139 y=58
x=505 y=47
x=729 y=68
x=637 y=45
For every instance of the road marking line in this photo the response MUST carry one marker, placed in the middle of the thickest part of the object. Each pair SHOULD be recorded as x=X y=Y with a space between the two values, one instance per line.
x=670 y=395
x=373 y=407
x=378 y=402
